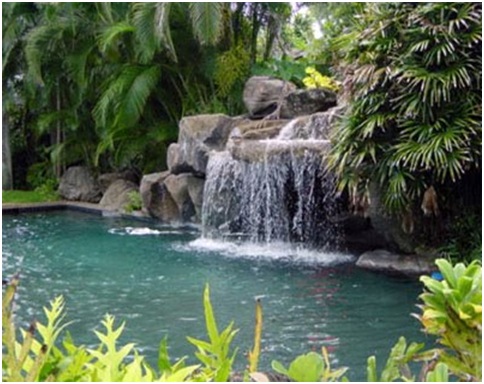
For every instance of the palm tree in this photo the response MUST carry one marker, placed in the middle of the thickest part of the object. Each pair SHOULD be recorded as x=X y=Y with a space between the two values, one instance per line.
x=150 y=84
x=18 y=19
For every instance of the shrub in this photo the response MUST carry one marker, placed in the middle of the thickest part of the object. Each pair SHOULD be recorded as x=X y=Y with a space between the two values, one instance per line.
x=314 y=79
x=414 y=89
x=135 y=203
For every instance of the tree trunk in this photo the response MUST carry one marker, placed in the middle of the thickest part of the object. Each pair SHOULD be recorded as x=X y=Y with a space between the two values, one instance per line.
x=255 y=32
x=58 y=136
x=7 y=176
x=272 y=32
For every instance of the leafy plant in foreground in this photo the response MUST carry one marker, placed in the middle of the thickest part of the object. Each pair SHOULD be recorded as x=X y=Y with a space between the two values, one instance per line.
x=215 y=354
x=311 y=367
x=452 y=311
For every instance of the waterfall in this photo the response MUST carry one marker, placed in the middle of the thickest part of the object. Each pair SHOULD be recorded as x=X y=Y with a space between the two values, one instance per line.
x=274 y=190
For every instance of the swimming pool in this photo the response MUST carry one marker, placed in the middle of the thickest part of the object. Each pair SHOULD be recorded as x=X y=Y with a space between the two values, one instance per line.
x=152 y=276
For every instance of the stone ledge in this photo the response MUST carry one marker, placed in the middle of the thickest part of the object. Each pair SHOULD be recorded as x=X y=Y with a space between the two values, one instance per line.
x=384 y=261
x=92 y=208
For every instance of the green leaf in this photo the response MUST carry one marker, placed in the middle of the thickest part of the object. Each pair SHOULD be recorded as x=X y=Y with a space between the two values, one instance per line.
x=439 y=375
x=307 y=368
x=210 y=321
x=279 y=368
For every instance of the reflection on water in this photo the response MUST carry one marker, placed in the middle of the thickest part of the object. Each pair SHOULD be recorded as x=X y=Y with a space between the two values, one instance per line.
x=152 y=277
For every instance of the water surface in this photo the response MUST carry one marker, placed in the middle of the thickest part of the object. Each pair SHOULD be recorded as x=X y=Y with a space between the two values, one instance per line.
x=153 y=276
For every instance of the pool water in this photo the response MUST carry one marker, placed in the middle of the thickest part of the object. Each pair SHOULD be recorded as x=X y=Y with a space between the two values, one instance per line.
x=152 y=277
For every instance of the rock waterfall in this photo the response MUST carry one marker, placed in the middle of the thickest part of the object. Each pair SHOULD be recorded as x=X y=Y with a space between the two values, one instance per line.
x=273 y=189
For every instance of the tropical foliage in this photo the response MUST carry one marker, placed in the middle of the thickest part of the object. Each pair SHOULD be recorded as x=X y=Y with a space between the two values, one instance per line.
x=413 y=81
x=105 y=84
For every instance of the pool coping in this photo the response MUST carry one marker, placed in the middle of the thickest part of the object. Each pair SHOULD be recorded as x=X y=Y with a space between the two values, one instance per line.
x=92 y=208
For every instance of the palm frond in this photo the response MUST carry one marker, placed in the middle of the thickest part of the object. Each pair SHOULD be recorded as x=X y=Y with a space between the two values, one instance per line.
x=112 y=33
x=38 y=41
x=143 y=15
x=142 y=82
x=207 y=21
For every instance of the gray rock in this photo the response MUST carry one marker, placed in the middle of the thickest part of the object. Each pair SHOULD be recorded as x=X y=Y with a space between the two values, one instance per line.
x=195 y=191
x=260 y=130
x=116 y=197
x=303 y=102
x=388 y=226
x=385 y=261
x=156 y=199
x=78 y=184
x=263 y=93
x=177 y=186
x=197 y=137
x=106 y=179
x=255 y=151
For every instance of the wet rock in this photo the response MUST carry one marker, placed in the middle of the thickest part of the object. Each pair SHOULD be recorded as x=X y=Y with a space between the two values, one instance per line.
x=255 y=151
x=177 y=186
x=263 y=93
x=156 y=199
x=78 y=184
x=116 y=197
x=198 y=136
x=260 y=130
x=388 y=226
x=302 y=102
x=392 y=263
x=195 y=191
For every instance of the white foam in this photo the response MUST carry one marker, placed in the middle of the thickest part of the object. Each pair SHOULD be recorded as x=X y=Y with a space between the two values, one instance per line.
x=142 y=231
x=269 y=251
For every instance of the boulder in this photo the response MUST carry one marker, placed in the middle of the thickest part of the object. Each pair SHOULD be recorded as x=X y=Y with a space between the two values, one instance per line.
x=197 y=137
x=177 y=186
x=156 y=199
x=255 y=151
x=317 y=126
x=106 y=179
x=384 y=261
x=195 y=191
x=116 y=197
x=78 y=184
x=260 y=130
x=388 y=226
x=176 y=164
x=303 y=102
x=262 y=94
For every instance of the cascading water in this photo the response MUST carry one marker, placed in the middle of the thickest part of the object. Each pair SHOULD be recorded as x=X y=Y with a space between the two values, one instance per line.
x=274 y=190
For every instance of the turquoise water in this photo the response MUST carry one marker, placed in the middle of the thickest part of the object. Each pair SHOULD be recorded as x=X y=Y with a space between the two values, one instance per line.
x=153 y=276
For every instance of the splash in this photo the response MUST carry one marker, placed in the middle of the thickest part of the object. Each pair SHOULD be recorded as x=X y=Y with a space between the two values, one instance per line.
x=275 y=251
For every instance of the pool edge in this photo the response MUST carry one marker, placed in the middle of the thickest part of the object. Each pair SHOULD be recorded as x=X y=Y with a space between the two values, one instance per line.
x=91 y=208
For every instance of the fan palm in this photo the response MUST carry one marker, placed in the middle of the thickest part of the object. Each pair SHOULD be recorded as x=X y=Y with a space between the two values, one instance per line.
x=414 y=117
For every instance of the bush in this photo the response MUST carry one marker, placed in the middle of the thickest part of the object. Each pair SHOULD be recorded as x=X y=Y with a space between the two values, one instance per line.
x=464 y=239
x=414 y=89
x=135 y=202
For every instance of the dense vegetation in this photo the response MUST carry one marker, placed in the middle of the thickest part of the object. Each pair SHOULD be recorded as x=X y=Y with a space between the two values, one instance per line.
x=105 y=84
x=451 y=310
x=413 y=125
